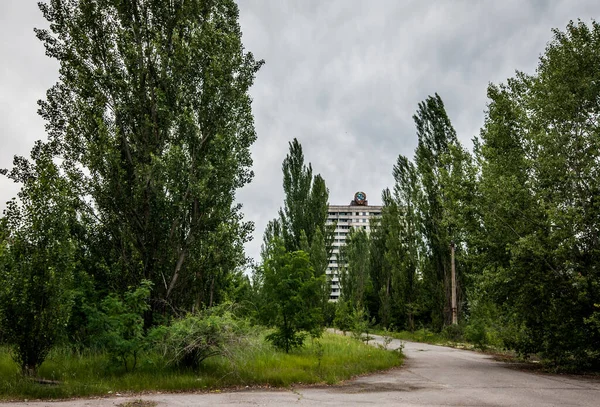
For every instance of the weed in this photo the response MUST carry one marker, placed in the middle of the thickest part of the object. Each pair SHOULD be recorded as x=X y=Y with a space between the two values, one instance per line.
x=329 y=360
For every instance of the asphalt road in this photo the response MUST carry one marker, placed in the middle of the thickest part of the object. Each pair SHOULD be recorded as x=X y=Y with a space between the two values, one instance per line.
x=431 y=376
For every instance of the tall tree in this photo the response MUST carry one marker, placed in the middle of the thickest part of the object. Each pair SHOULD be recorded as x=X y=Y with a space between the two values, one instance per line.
x=37 y=261
x=306 y=199
x=152 y=119
x=406 y=261
x=302 y=222
x=547 y=214
x=379 y=267
x=355 y=278
x=435 y=135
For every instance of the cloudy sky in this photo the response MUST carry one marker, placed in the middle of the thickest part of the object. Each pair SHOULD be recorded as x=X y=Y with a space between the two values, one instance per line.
x=344 y=77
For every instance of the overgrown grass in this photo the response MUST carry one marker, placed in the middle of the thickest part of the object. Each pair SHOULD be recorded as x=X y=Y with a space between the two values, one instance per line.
x=329 y=360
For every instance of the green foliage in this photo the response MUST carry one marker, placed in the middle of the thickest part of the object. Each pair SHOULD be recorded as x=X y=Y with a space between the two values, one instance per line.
x=387 y=339
x=343 y=316
x=36 y=260
x=253 y=363
x=301 y=226
x=360 y=324
x=453 y=333
x=293 y=295
x=329 y=312
x=152 y=122
x=188 y=341
x=539 y=155
x=119 y=325
x=305 y=203
x=355 y=279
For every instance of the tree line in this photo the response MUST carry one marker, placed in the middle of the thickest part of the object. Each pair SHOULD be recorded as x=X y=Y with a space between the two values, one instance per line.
x=522 y=211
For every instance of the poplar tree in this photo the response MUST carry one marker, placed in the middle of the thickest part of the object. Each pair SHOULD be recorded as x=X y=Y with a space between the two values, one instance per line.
x=435 y=135
x=301 y=224
x=306 y=200
x=151 y=118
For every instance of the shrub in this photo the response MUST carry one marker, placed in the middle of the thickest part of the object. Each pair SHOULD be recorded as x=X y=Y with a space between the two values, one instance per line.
x=453 y=333
x=343 y=317
x=119 y=324
x=360 y=324
x=192 y=339
x=36 y=260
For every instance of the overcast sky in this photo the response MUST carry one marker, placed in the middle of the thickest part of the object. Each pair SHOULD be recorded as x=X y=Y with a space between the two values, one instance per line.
x=344 y=77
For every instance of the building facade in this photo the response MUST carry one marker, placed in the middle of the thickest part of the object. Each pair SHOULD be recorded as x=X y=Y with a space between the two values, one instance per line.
x=356 y=215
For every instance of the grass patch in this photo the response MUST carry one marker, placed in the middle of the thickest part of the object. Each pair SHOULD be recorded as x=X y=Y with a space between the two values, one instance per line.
x=329 y=360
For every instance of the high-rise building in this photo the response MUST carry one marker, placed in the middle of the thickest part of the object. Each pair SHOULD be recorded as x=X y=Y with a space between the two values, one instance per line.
x=356 y=215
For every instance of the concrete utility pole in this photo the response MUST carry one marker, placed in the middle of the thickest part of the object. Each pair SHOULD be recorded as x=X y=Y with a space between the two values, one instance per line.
x=454 y=311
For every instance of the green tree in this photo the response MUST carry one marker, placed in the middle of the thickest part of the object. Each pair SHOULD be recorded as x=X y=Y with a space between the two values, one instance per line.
x=443 y=166
x=37 y=260
x=306 y=200
x=119 y=324
x=302 y=222
x=540 y=148
x=152 y=121
x=293 y=293
x=408 y=199
x=380 y=269
x=343 y=316
x=355 y=281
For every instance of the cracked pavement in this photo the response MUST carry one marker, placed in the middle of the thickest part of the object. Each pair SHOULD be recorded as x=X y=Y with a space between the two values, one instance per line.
x=431 y=376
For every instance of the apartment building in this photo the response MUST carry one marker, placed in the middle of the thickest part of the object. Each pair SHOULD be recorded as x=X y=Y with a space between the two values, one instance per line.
x=356 y=215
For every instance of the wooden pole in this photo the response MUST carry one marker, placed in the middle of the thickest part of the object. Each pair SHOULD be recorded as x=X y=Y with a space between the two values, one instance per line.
x=454 y=310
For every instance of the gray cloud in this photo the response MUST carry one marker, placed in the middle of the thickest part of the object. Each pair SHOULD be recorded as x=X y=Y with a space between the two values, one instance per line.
x=344 y=77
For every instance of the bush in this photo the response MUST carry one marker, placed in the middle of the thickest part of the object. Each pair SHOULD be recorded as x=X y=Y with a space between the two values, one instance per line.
x=35 y=299
x=343 y=317
x=453 y=333
x=119 y=325
x=329 y=313
x=361 y=324
x=196 y=337
x=476 y=334
x=36 y=260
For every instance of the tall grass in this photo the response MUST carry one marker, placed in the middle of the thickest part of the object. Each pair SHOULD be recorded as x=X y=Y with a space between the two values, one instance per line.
x=329 y=360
